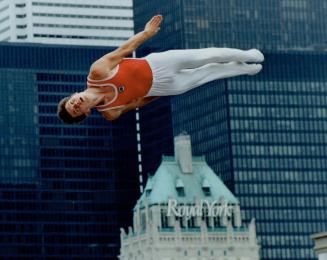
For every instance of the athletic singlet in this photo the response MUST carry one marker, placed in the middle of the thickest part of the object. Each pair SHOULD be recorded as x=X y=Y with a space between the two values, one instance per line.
x=131 y=80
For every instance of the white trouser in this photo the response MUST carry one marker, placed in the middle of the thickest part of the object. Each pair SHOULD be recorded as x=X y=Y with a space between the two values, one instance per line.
x=178 y=71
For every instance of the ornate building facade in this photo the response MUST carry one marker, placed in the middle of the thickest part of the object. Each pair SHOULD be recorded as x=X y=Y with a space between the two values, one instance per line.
x=186 y=212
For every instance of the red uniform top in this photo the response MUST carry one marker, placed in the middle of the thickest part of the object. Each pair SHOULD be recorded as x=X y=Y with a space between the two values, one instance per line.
x=132 y=80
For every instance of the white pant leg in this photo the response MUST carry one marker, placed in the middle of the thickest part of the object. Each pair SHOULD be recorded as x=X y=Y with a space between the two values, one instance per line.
x=192 y=78
x=167 y=65
x=194 y=58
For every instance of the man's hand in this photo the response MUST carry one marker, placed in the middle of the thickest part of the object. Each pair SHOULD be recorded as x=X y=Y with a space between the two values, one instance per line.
x=153 y=26
x=101 y=68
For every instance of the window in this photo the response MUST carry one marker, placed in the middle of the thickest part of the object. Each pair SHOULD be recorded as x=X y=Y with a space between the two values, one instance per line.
x=206 y=188
x=180 y=188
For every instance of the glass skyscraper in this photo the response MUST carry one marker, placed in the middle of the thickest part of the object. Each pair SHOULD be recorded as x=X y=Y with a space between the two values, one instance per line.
x=265 y=135
x=267 y=25
x=65 y=190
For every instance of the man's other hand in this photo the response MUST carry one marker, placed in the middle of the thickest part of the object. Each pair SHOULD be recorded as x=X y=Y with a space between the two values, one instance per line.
x=153 y=26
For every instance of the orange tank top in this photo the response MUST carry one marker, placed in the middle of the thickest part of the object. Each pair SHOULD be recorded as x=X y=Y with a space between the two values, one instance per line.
x=131 y=80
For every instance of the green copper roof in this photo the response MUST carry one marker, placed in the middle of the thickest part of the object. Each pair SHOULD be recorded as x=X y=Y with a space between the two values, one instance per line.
x=162 y=186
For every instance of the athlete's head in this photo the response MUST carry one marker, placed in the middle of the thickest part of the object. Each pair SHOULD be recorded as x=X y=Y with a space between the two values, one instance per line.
x=74 y=109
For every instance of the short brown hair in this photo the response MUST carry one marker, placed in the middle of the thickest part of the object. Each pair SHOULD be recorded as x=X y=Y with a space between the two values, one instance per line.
x=65 y=116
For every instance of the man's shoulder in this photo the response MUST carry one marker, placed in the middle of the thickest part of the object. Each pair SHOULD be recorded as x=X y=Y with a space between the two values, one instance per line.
x=99 y=70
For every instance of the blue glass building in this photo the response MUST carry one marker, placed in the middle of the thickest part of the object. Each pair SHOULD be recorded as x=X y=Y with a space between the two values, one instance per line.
x=267 y=25
x=265 y=135
x=65 y=190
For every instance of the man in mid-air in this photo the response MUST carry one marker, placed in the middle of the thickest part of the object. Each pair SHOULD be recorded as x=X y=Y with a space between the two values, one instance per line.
x=116 y=84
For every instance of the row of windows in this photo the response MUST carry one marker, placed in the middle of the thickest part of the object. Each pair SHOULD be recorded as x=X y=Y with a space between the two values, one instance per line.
x=280 y=163
x=82 y=26
x=76 y=174
x=279 y=112
x=47 y=110
x=51 y=118
x=289 y=228
x=297 y=253
x=48 y=98
x=49 y=216
x=20 y=15
x=290 y=151
x=287 y=202
x=18 y=175
x=283 y=189
x=82 y=6
x=55 y=88
x=58 y=77
x=290 y=125
x=315 y=140
x=75 y=141
x=99 y=152
x=23 y=250
x=288 y=215
x=46 y=195
x=289 y=88
x=82 y=16
x=23 y=26
x=70 y=238
x=189 y=120
x=291 y=241
x=277 y=176
x=215 y=100
x=85 y=185
x=277 y=100
x=78 y=37
x=28 y=206
x=20 y=5
x=77 y=131
x=90 y=164
x=24 y=151
x=51 y=196
x=18 y=141
x=20 y=163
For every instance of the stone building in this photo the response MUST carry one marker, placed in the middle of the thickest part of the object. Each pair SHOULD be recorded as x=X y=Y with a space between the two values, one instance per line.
x=186 y=212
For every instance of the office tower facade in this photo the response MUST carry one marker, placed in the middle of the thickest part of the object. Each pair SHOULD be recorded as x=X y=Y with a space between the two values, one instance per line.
x=275 y=146
x=186 y=212
x=156 y=134
x=76 y=22
x=65 y=189
x=263 y=135
x=267 y=25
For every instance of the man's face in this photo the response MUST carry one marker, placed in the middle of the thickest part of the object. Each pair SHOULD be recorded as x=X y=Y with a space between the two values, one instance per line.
x=78 y=104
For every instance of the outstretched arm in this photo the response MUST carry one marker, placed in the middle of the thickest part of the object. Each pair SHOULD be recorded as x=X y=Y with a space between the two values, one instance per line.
x=102 y=66
x=115 y=113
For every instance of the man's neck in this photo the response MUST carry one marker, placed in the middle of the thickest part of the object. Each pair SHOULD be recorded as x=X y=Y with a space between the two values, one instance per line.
x=94 y=96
